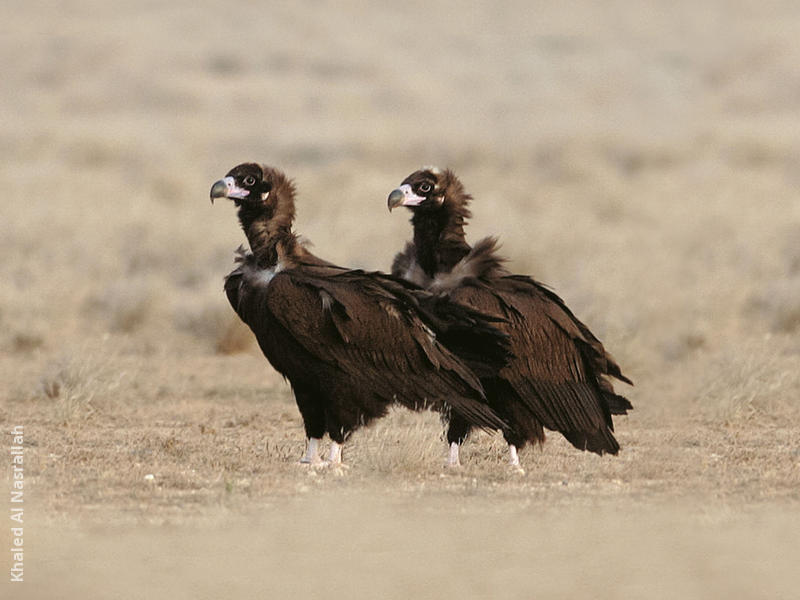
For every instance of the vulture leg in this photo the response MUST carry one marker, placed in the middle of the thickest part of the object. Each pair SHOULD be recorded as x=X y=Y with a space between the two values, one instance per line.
x=338 y=433
x=457 y=432
x=335 y=455
x=452 y=459
x=314 y=422
x=513 y=457
x=312 y=452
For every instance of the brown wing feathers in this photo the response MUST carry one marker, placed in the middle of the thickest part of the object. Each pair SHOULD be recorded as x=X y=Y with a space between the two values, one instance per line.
x=349 y=342
x=559 y=373
x=377 y=341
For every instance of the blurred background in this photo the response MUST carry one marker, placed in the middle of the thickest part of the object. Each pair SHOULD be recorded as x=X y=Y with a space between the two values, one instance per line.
x=639 y=157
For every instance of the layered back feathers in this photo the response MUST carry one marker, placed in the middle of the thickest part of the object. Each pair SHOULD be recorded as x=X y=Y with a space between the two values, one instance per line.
x=558 y=376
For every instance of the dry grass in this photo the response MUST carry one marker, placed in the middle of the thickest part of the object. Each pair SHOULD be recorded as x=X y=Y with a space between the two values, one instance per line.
x=640 y=157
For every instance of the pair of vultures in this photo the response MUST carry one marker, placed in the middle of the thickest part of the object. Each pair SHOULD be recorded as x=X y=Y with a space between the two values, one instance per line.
x=450 y=329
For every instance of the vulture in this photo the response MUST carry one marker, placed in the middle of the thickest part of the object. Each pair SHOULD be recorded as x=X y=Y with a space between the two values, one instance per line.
x=351 y=343
x=558 y=376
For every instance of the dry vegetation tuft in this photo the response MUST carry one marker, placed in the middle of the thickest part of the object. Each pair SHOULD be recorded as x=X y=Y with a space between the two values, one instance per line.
x=78 y=384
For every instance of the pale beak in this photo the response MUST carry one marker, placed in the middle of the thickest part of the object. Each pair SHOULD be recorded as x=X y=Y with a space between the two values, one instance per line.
x=404 y=196
x=395 y=199
x=227 y=188
x=219 y=190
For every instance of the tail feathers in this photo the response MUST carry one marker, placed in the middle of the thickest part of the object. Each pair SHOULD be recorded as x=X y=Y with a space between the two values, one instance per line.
x=475 y=413
x=613 y=369
x=618 y=405
x=599 y=442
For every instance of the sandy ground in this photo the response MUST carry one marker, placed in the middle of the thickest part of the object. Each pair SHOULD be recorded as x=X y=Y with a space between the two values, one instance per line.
x=639 y=157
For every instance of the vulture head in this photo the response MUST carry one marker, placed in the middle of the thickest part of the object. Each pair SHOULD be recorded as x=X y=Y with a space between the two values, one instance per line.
x=431 y=190
x=261 y=192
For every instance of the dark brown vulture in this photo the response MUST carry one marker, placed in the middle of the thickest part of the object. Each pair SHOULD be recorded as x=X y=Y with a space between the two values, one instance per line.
x=558 y=377
x=350 y=343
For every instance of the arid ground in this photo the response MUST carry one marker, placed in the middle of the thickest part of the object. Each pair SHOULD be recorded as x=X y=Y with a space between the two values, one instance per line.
x=642 y=158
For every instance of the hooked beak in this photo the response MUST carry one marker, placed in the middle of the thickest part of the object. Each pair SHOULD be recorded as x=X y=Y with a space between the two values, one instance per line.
x=395 y=199
x=227 y=188
x=404 y=196
x=219 y=190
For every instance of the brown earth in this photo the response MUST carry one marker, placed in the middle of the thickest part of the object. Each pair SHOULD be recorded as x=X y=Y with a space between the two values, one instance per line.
x=639 y=157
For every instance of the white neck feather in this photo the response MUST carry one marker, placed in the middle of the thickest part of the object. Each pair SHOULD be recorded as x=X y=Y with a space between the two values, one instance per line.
x=263 y=277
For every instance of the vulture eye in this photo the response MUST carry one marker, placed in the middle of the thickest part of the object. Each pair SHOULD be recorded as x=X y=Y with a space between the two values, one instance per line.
x=249 y=180
x=425 y=187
